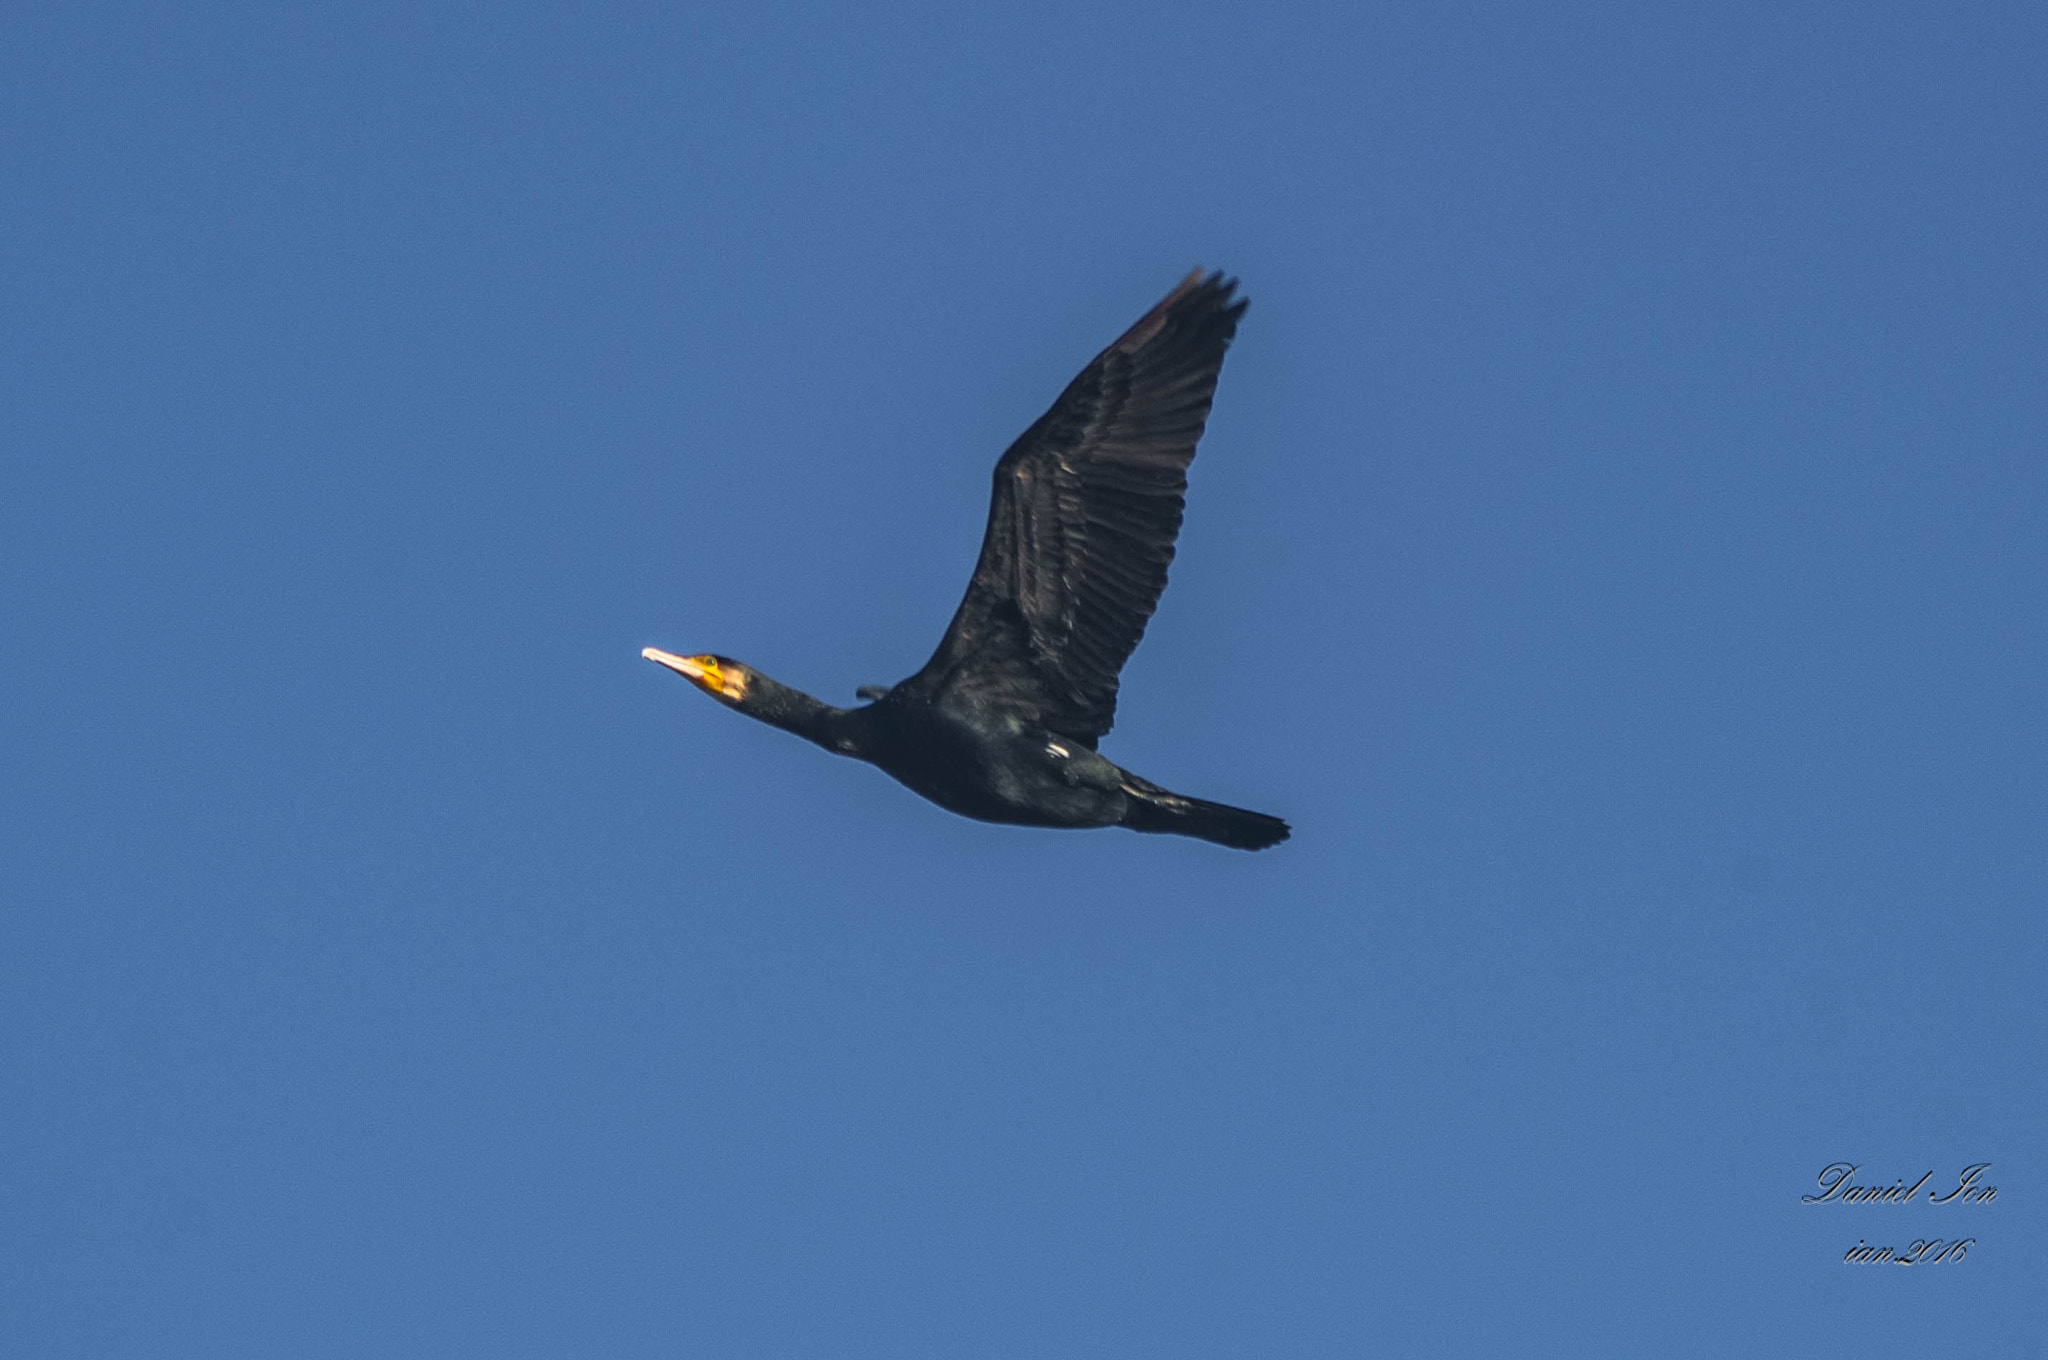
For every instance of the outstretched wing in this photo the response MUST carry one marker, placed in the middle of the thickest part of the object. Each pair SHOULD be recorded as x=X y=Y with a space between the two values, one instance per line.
x=1081 y=526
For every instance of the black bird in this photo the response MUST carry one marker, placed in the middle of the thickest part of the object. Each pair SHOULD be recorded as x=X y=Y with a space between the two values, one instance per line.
x=1002 y=722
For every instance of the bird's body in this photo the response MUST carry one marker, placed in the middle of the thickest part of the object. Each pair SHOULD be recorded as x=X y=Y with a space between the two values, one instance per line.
x=1001 y=724
x=995 y=766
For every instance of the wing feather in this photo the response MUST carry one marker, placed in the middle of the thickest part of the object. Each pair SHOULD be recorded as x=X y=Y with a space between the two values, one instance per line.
x=1082 y=520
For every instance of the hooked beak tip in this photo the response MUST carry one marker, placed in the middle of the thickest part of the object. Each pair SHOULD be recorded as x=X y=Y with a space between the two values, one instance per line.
x=682 y=665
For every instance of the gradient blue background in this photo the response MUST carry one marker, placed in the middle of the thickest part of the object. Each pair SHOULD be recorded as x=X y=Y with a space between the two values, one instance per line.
x=1618 y=548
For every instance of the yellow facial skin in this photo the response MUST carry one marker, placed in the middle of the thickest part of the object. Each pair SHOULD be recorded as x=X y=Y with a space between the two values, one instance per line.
x=718 y=679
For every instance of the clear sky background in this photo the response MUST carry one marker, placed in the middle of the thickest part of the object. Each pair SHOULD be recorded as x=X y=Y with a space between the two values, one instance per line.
x=1618 y=549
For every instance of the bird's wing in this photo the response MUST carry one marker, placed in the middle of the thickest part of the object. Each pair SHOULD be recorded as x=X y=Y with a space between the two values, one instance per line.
x=1081 y=526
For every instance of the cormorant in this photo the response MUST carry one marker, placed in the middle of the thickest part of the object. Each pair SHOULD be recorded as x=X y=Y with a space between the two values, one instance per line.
x=1002 y=722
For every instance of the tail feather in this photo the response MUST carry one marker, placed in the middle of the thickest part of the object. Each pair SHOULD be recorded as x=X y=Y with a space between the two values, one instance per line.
x=1151 y=808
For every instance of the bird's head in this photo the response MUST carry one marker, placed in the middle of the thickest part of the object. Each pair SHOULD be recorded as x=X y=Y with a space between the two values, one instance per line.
x=720 y=677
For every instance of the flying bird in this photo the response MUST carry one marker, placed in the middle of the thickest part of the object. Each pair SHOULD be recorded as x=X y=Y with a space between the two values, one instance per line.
x=1002 y=723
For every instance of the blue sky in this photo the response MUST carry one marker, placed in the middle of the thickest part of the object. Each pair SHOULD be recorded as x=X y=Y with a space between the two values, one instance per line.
x=1617 y=548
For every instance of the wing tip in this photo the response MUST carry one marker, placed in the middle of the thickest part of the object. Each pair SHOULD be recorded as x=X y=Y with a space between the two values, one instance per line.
x=1202 y=295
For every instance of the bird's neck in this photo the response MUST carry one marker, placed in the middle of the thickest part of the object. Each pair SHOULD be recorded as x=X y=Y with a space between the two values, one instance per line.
x=792 y=710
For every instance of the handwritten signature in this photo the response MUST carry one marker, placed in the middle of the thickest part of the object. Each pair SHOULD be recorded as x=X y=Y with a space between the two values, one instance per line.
x=1837 y=1185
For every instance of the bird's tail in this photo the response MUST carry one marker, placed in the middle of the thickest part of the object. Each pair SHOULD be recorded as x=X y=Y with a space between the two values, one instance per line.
x=1151 y=808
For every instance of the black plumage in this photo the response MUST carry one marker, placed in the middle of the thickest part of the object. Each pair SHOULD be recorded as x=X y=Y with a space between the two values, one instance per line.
x=1003 y=721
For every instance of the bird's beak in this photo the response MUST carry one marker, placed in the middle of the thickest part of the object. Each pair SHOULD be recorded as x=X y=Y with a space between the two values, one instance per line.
x=702 y=671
